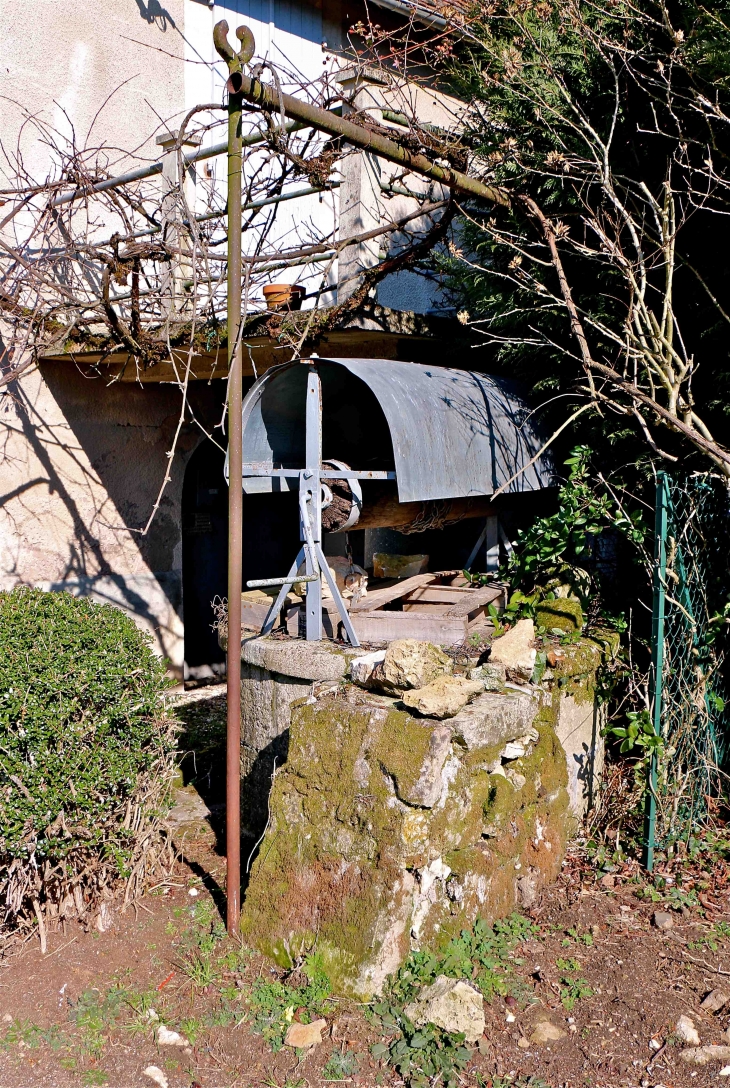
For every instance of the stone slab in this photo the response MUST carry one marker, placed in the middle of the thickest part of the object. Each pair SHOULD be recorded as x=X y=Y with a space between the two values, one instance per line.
x=298 y=658
x=495 y=717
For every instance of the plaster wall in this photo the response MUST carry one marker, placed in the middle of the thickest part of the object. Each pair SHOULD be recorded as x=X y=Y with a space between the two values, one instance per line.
x=102 y=75
x=82 y=464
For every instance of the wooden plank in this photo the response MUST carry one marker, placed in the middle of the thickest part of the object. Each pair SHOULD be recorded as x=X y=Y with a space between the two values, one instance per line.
x=478 y=599
x=385 y=626
x=429 y=608
x=376 y=598
x=254 y=613
x=438 y=594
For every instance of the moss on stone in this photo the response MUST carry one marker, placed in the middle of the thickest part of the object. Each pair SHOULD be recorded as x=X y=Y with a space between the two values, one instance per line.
x=562 y=614
x=335 y=866
x=401 y=749
x=575 y=671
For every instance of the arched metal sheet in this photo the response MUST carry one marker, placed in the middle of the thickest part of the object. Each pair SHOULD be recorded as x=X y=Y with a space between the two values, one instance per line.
x=454 y=433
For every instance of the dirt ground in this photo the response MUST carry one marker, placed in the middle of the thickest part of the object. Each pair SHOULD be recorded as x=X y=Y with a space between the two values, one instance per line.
x=90 y=1011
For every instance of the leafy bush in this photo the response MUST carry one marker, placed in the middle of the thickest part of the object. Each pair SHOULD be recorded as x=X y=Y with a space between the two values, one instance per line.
x=86 y=754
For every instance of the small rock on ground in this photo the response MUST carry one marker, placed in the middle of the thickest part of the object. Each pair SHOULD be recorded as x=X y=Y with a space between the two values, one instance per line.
x=686 y=1031
x=715 y=1000
x=305 y=1035
x=662 y=920
x=155 y=1074
x=166 y=1037
x=443 y=697
x=703 y=1055
x=451 y=1004
x=545 y=1032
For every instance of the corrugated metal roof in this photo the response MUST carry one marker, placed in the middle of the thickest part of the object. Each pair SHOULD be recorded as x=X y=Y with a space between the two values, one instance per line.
x=447 y=433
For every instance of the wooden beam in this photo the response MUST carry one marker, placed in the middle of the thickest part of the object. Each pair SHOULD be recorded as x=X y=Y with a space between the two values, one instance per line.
x=379 y=597
x=385 y=626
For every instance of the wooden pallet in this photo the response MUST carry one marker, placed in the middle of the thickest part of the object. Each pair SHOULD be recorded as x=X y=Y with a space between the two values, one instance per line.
x=423 y=607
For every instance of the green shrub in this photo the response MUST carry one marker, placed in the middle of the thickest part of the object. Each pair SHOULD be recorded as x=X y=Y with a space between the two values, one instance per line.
x=86 y=754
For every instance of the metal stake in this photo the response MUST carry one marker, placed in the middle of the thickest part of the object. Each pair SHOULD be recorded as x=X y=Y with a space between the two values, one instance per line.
x=657 y=654
x=235 y=61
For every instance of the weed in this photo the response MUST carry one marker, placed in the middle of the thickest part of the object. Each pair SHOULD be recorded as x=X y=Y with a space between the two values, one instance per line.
x=340 y=1064
x=274 y=1003
x=192 y=1029
x=579 y=938
x=484 y=954
x=678 y=898
x=199 y=968
x=489 y=949
x=573 y=987
x=94 y=1013
x=93 y=1077
x=425 y=1055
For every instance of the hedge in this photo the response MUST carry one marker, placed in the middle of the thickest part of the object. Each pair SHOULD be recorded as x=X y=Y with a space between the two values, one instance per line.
x=86 y=756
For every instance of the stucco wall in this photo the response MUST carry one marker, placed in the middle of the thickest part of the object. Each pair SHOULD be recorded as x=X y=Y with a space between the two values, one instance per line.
x=61 y=59
x=81 y=466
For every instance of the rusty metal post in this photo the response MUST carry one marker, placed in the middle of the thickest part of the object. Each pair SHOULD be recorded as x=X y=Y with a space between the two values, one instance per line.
x=235 y=61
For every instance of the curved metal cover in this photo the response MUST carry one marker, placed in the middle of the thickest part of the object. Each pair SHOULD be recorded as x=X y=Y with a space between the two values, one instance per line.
x=454 y=433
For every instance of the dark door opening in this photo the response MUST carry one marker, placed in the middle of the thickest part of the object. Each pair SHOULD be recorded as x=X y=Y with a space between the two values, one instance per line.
x=205 y=559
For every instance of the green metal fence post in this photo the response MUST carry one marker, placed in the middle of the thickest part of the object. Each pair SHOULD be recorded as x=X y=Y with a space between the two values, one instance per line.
x=657 y=654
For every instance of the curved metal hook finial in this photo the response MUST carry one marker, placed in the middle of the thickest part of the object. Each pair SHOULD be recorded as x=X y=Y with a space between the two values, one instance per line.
x=220 y=41
x=235 y=61
x=248 y=43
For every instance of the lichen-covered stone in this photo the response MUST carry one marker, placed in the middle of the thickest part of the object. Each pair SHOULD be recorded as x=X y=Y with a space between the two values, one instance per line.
x=562 y=614
x=492 y=674
x=388 y=832
x=492 y=718
x=410 y=663
x=451 y=1004
x=515 y=650
x=443 y=697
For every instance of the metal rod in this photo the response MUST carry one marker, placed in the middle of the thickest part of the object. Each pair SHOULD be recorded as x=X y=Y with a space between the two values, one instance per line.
x=268 y=98
x=657 y=655
x=143 y=172
x=235 y=503
x=278 y=604
x=254 y=583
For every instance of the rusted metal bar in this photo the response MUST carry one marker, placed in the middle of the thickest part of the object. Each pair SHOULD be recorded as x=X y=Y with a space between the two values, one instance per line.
x=268 y=98
x=235 y=494
x=142 y=172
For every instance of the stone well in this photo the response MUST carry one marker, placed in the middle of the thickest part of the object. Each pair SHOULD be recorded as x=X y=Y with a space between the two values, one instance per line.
x=386 y=831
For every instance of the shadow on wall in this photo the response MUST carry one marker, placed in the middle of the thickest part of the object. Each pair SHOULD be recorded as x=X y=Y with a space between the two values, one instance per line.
x=102 y=451
x=153 y=12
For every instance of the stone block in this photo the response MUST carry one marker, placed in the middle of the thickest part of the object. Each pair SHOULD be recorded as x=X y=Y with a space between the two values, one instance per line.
x=410 y=663
x=451 y=1004
x=494 y=718
x=563 y=614
x=298 y=659
x=370 y=796
x=443 y=697
x=579 y=725
x=515 y=650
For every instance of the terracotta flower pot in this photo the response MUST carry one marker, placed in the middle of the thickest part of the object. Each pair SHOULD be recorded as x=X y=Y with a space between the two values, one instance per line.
x=283 y=296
